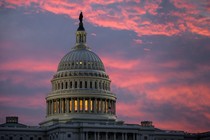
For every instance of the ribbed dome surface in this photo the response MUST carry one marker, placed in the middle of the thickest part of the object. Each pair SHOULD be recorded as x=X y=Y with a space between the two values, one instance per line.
x=81 y=59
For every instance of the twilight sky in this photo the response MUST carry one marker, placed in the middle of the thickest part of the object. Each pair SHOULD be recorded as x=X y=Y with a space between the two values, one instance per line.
x=156 y=52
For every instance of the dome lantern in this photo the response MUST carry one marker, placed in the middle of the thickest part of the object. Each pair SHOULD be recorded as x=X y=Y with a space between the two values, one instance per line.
x=81 y=35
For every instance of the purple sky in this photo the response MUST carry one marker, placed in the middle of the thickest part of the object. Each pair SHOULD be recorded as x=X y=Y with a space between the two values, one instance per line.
x=157 y=53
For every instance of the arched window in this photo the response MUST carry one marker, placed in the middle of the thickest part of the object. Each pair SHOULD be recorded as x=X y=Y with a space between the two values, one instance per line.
x=62 y=85
x=71 y=84
x=96 y=85
x=80 y=84
x=91 y=86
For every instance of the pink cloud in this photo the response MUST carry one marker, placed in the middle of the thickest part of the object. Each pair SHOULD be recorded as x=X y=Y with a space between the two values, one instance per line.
x=29 y=66
x=130 y=16
x=35 y=101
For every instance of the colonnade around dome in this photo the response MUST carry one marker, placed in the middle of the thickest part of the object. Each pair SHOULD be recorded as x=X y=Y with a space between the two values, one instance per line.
x=81 y=105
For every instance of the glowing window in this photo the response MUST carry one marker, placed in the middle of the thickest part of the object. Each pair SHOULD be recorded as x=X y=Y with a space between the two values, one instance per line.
x=80 y=105
x=91 y=105
x=75 y=105
x=62 y=105
x=70 y=105
x=86 y=105
x=80 y=63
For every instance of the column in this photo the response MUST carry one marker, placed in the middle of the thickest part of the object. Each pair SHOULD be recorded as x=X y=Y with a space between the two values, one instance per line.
x=106 y=137
x=94 y=135
x=137 y=136
x=86 y=135
x=109 y=107
x=60 y=104
x=114 y=107
x=83 y=104
x=82 y=136
x=126 y=136
x=134 y=136
x=102 y=106
x=67 y=105
x=98 y=136
x=73 y=84
x=114 y=136
x=47 y=108
x=52 y=107
x=123 y=138
x=57 y=105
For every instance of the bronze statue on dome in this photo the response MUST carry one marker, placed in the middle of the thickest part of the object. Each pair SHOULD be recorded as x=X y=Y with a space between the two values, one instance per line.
x=81 y=17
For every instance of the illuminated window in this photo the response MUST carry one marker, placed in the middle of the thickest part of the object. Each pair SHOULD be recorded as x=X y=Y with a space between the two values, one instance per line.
x=58 y=106
x=80 y=105
x=75 y=105
x=91 y=105
x=80 y=63
x=62 y=106
x=86 y=105
x=96 y=105
x=70 y=105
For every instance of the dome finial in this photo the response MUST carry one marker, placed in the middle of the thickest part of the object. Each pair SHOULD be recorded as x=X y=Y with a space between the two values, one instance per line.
x=80 y=28
x=81 y=17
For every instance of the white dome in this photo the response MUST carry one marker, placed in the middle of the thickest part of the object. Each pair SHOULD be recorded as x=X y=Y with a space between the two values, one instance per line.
x=81 y=59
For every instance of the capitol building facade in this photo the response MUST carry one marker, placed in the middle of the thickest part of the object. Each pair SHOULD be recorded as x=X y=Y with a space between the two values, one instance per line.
x=81 y=105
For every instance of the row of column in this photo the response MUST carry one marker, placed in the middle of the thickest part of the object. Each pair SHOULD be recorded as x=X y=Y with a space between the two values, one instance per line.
x=77 y=105
x=80 y=84
x=108 y=136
